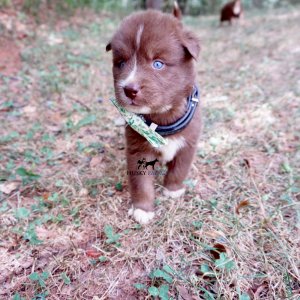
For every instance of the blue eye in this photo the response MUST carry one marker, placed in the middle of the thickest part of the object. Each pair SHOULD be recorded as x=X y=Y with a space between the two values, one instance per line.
x=121 y=64
x=157 y=64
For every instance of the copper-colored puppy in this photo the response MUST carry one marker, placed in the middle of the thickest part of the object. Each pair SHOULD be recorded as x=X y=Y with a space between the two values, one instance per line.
x=231 y=10
x=154 y=76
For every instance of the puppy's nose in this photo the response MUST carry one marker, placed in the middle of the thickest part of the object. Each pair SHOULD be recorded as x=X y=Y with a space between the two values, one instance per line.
x=131 y=90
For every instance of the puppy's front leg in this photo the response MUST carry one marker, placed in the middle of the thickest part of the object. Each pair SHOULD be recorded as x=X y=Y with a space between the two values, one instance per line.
x=178 y=170
x=141 y=189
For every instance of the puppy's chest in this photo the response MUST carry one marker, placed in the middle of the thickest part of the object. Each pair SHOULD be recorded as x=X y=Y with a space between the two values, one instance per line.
x=168 y=152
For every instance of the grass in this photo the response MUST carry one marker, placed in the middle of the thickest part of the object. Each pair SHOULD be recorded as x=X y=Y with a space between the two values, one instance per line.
x=64 y=230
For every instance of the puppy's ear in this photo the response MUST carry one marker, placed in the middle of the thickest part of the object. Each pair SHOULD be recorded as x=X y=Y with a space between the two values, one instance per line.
x=191 y=44
x=176 y=11
x=108 y=47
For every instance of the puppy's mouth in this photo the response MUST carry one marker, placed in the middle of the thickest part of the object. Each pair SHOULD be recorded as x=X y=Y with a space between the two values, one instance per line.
x=134 y=105
x=139 y=105
x=138 y=109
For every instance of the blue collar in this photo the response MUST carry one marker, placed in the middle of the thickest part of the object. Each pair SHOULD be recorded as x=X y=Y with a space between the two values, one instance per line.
x=180 y=124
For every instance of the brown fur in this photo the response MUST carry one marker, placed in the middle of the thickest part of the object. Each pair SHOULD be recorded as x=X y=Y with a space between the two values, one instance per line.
x=164 y=38
x=227 y=11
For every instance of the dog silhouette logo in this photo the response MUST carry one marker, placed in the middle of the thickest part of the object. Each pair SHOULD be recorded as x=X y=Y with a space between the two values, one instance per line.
x=145 y=164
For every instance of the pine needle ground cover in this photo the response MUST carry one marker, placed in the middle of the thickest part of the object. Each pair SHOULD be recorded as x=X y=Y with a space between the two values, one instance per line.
x=64 y=230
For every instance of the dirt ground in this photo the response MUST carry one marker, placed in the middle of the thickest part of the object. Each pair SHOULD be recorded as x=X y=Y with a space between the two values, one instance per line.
x=64 y=230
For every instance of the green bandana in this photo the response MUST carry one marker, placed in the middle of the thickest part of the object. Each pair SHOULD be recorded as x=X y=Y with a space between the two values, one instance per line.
x=137 y=124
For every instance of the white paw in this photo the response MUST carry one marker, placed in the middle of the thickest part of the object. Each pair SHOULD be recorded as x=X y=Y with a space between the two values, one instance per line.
x=141 y=216
x=174 y=194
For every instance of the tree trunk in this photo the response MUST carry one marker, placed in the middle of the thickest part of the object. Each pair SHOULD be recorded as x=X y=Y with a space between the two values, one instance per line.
x=154 y=4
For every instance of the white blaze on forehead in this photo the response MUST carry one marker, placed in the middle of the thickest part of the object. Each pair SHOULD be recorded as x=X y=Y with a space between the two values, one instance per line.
x=139 y=36
x=131 y=77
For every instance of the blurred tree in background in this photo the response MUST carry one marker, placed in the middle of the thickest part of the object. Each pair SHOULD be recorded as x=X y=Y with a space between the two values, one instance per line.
x=191 y=7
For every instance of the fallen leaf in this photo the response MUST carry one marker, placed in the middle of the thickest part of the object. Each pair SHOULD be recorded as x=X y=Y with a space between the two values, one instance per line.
x=46 y=195
x=4 y=109
x=8 y=187
x=93 y=253
x=241 y=204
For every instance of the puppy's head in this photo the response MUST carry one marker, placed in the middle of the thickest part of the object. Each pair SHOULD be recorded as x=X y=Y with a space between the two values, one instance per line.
x=152 y=62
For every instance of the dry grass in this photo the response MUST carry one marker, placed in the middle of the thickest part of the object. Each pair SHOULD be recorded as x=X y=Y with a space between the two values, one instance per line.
x=234 y=235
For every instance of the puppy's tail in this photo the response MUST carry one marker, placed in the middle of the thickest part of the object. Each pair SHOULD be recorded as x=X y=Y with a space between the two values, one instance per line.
x=176 y=11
